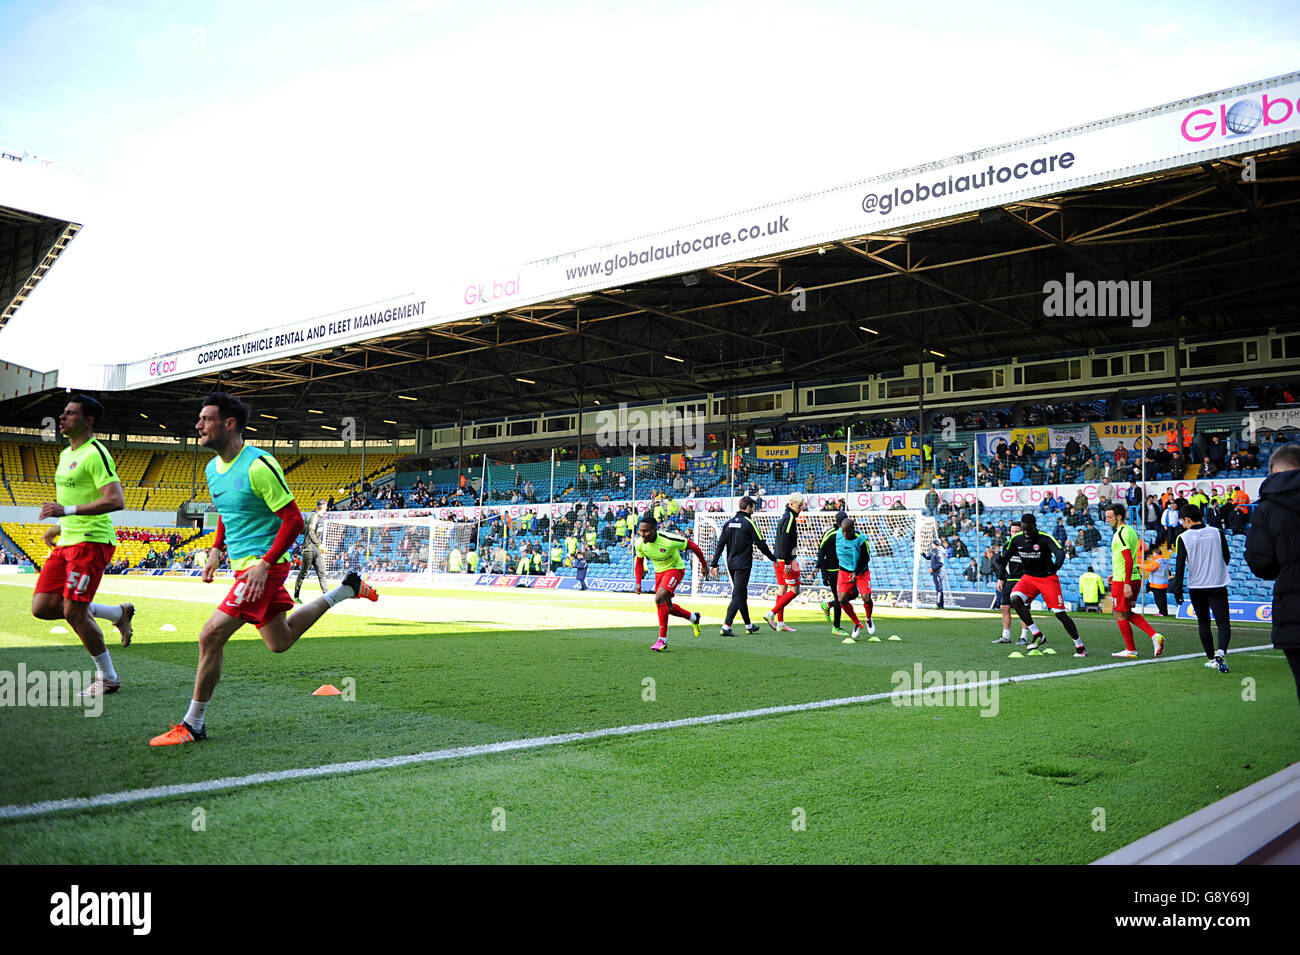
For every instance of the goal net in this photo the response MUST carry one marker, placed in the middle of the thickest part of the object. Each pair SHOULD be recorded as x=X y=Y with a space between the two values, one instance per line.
x=898 y=569
x=412 y=545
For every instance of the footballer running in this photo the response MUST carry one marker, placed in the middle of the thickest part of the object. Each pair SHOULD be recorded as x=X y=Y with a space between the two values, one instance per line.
x=257 y=523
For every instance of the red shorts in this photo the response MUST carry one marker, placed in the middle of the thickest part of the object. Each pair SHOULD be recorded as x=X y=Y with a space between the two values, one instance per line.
x=1118 y=602
x=669 y=579
x=791 y=577
x=274 y=600
x=1049 y=587
x=76 y=569
x=846 y=581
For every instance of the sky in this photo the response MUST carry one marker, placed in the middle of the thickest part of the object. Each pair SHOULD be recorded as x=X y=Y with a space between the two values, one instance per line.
x=252 y=164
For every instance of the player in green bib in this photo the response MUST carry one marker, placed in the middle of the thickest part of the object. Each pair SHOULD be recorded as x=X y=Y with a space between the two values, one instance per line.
x=87 y=490
x=1126 y=582
x=257 y=524
x=664 y=552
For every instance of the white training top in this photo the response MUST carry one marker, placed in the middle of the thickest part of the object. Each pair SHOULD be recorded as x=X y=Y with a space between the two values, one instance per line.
x=1205 y=566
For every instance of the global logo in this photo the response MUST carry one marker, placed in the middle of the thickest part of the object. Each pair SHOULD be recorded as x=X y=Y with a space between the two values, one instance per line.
x=487 y=292
x=1238 y=119
x=165 y=367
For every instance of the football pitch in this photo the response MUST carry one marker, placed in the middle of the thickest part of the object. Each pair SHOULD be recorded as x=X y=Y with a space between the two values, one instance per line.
x=526 y=727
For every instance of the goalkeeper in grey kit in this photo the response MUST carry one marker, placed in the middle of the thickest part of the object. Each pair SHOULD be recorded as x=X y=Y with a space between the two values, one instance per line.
x=313 y=550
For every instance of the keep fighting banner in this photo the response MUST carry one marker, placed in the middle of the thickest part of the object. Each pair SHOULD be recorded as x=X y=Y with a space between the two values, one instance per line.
x=1282 y=419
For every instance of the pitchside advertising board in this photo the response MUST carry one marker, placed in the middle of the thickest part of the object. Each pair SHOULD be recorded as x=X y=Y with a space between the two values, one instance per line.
x=1245 y=610
x=1231 y=122
x=1030 y=496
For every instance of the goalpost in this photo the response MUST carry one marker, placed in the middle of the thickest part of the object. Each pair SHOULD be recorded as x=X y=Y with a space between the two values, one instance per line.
x=898 y=540
x=412 y=545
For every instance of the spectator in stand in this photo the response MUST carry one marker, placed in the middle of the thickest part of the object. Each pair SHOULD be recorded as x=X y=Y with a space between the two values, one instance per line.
x=1121 y=456
x=1177 y=466
x=1151 y=516
x=1133 y=495
x=1088 y=538
x=1105 y=493
x=1217 y=453
x=988 y=568
x=1169 y=523
x=1091 y=472
x=971 y=572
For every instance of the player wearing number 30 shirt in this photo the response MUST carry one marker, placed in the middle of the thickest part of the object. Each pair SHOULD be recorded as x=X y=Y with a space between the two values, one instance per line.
x=258 y=523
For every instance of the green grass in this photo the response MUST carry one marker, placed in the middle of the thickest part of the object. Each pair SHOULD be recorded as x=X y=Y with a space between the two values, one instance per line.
x=873 y=782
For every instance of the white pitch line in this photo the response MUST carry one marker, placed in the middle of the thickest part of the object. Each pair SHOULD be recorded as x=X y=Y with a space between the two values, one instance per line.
x=32 y=810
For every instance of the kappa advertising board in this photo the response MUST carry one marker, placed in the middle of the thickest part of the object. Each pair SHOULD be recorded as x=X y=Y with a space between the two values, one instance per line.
x=1228 y=123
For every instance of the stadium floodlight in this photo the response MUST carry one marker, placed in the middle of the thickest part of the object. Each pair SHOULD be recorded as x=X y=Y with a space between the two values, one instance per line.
x=329 y=427
x=314 y=411
x=269 y=417
x=869 y=331
x=526 y=381
x=689 y=280
x=408 y=398
x=937 y=354
x=388 y=421
x=675 y=358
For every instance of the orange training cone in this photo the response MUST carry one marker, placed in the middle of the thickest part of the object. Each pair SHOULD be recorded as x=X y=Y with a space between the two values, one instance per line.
x=329 y=689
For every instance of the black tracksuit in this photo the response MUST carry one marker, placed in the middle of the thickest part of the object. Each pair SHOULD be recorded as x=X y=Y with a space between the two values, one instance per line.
x=1273 y=553
x=740 y=536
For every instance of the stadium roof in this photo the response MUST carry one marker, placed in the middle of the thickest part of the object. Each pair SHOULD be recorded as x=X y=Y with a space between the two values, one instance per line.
x=40 y=213
x=928 y=264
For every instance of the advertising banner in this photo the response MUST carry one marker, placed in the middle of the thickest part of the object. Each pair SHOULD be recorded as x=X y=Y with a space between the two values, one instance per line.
x=1232 y=122
x=1246 y=610
x=778 y=452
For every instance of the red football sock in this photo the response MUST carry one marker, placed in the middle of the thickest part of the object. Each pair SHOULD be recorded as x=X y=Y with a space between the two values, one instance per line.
x=870 y=606
x=1141 y=623
x=677 y=611
x=847 y=605
x=1126 y=631
x=663 y=620
x=781 y=603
